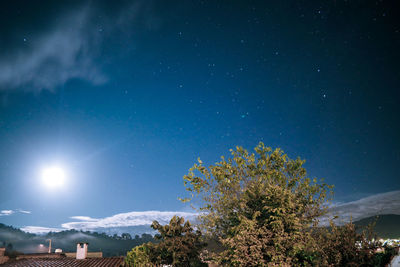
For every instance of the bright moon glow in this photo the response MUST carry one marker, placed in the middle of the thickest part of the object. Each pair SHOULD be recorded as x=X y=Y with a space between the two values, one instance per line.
x=53 y=177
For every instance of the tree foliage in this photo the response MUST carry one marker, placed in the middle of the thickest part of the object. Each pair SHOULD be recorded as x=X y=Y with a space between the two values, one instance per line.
x=139 y=256
x=179 y=245
x=259 y=205
x=348 y=245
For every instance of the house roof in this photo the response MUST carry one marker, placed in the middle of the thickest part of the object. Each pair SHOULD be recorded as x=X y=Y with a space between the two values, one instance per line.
x=66 y=262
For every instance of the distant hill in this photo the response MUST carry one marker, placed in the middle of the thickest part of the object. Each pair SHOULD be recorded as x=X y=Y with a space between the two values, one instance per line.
x=132 y=230
x=387 y=226
x=116 y=245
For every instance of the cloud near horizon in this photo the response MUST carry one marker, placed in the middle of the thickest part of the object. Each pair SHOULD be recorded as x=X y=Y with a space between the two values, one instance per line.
x=379 y=204
x=134 y=218
x=10 y=212
x=6 y=212
x=40 y=230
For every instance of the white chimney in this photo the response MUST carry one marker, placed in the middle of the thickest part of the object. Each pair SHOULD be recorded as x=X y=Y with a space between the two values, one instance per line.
x=81 y=251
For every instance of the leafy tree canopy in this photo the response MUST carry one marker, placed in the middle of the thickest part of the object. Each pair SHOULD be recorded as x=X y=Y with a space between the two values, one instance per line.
x=179 y=245
x=139 y=256
x=259 y=205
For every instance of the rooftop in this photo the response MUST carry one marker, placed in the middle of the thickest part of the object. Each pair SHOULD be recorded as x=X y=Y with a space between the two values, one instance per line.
x=66 y=262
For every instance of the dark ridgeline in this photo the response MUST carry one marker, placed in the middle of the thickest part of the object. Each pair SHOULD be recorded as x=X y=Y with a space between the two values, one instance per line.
x=16 y=240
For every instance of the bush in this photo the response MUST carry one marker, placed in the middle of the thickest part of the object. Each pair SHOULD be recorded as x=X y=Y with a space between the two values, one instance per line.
x=179 y=245
x=139 y=256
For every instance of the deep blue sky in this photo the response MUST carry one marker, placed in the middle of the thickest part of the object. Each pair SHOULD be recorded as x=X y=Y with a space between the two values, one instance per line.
x=127 y=95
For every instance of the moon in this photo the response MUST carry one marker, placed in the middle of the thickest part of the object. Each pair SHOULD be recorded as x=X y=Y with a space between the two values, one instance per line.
x=53 y=177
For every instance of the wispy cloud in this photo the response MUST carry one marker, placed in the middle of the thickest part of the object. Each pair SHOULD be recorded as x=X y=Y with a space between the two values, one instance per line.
x=6 y=212
x=24 y=211
x=10 y=212
x=133 y=218
x=84 y=218
x=70 y=49
x=65 y=51
x=379 y=204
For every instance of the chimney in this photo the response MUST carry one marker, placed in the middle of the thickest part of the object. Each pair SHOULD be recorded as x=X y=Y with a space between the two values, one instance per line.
x=81 y=251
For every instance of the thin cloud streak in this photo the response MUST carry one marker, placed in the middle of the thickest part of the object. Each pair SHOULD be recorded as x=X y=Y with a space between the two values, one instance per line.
x=24 y=211
x=6 y=212
x=83 y=218
x=11 y=212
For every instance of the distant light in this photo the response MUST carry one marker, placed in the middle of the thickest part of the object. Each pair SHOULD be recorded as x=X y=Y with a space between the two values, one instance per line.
x=41 y=245
x=53 y=177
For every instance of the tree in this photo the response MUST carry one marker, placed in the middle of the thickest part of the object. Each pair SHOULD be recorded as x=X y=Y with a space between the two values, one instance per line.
x=179 y=244
x=139 y=256
x=349 y=245
x=126 y=236
x=260 y=206
x=115 y=236
x=9 y=247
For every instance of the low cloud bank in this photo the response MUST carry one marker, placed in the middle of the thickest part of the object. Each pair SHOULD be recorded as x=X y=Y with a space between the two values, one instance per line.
x=134 y=218
x=379 y=204
x=40 y=230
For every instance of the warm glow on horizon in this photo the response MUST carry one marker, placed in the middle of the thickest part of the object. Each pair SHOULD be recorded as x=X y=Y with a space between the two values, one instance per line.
x=53 y=177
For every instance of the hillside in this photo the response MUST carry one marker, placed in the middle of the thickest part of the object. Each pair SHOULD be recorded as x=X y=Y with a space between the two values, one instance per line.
x=387 y=226
x=18 y=240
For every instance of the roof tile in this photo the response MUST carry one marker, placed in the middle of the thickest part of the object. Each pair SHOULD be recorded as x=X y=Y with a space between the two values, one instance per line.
x=66 y=262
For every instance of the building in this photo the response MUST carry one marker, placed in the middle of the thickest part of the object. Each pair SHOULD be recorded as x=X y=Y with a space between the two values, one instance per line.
x=3 y=258
x=81 y=259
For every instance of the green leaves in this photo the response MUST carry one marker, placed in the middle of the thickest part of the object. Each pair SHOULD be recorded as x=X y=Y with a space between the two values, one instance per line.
x=179 y=244
x=139 y=256
x=261 y=202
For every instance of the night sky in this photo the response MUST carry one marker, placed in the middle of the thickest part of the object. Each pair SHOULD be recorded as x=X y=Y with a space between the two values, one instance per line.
x=126 y=95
